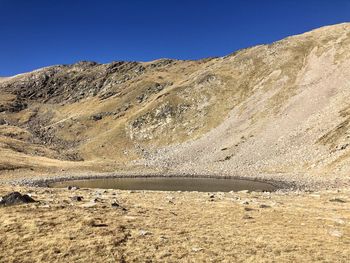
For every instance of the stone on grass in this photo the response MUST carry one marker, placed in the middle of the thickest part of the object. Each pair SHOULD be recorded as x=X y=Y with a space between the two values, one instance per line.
x=117 y=205
x=77 y=198
x=335 y=233
x=15 y=198
x=144 y=232
x=338 y=200
x=73 y=188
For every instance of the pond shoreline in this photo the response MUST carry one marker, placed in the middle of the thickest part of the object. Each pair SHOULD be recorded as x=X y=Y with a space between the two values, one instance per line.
x=197 y=184
x=290 y=182
x=46 y=182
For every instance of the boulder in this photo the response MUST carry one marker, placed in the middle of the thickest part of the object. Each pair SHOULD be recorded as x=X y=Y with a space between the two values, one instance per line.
x=77 y=198
x=16 y=198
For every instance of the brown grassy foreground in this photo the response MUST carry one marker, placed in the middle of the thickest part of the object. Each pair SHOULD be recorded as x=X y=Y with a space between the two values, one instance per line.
x=176 y=227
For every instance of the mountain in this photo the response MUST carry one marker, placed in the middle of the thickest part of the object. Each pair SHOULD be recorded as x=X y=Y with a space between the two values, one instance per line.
x=281 y=108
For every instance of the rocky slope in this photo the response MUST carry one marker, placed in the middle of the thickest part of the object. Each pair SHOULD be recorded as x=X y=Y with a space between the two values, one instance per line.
x=278 y=109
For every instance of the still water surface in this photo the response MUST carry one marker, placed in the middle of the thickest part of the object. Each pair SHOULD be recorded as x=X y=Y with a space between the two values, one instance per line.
x=170 y=184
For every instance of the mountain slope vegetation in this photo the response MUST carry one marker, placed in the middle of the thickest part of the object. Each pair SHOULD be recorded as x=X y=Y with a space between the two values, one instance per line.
x=281 y=108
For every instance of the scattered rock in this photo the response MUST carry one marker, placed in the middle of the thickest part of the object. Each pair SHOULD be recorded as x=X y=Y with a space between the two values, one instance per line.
x=211 y=197
x=244 y=202
x=56 y=251
x=247 y=217
x=144 y=233
x=170 y=197
x=248 y=209
x=166 y=255
x=77 y=198
x=197 y=249
x=343 y=147
x=228 y=157
x=171 y=202
x=130 y=218
x=15 y=198
x=335 y=233
x=338 y=200
x=264 y=206
x=96 y=117
x=2 y=121
x=93 y=223
x=73 y=188
x=98 y=225
x=117 y=205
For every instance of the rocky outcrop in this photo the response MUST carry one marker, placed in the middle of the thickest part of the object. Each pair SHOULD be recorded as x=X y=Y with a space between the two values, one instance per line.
x=15 y=198
x=280 y=108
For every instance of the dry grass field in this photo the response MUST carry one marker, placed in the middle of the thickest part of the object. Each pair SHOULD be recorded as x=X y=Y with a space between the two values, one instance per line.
x=176 y=227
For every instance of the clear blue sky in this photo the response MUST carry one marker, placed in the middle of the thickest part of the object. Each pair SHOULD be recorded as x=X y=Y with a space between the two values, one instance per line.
x=37 y=33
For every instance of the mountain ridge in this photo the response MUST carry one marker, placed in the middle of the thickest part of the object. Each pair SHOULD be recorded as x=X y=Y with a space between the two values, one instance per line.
x=215 y=115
